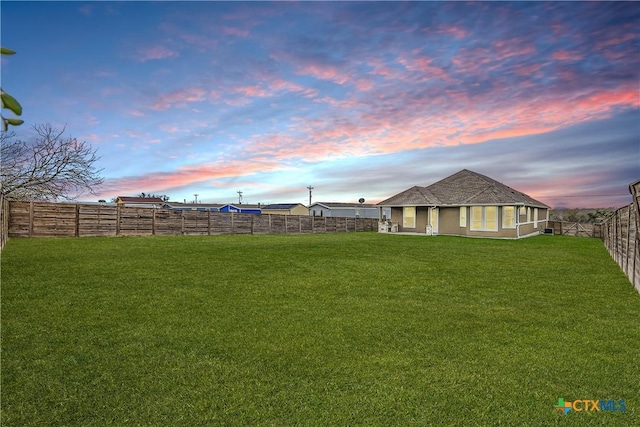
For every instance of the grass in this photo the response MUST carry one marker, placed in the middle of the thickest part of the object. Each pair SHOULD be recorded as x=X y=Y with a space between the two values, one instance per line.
x=333 y=329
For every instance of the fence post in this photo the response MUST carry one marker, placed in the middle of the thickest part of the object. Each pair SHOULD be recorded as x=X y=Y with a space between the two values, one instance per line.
x=77 y=222
x=30 y=219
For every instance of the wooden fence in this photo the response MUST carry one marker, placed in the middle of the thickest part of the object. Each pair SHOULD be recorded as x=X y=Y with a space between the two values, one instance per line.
x=622 y=239
x=36 y=219
x=577 y=229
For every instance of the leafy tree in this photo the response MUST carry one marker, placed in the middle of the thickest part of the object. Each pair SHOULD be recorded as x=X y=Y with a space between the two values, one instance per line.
x=9 y=102
x=48 y=167
x=599 y=215
x=164 y=197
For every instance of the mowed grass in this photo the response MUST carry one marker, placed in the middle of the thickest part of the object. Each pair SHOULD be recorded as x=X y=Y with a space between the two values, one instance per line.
x=328 y=330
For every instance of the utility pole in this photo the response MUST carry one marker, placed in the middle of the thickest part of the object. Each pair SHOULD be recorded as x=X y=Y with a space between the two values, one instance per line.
x=310 y=188
x=239 y=197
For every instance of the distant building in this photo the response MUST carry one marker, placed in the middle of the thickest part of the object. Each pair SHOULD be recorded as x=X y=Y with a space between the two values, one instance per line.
x=344 y=210
x=285 y=209
x=140 y=202
x=251 y=209
x=203 y=207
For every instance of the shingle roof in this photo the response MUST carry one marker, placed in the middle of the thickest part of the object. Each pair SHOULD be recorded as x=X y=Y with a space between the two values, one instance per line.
x=147 y=200
x=462 y=188
x=343 y=204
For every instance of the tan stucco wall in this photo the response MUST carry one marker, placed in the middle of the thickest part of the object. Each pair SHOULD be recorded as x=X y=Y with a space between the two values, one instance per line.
x=421 y=219
x=449 y=221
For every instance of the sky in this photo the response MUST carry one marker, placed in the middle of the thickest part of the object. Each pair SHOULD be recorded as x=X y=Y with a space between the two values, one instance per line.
x=356 y=99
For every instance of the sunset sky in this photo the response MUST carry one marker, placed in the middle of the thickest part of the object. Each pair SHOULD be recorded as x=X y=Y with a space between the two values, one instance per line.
x=358 y=99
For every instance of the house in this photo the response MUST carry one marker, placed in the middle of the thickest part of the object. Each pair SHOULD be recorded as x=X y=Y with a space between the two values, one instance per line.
x=251 y=209
x=344 y=210
x=285 y=209
x=202 y=207
x=467 y=204
x=140 y=202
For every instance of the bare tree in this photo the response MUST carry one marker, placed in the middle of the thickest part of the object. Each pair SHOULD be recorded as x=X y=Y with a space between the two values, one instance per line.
x=48 y=167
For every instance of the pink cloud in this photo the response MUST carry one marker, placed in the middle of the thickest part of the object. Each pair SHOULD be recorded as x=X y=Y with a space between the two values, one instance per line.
x=238 y=32
x=453 y=31
x=503 y=49
x=253 y=90
x=527 y=69
x=137 y=113
x=565 y=55
x=186 y=175
x=156 y=52
x=619 y=39
x=472 y=61
x=179 y=97
x=424 y=65
x=324 y=72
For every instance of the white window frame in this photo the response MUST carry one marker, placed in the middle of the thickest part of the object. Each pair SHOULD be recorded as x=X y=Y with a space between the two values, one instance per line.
x=463 y=216
x=484 y=219
x=434 y=221
x=405 y=217
x=505 y=217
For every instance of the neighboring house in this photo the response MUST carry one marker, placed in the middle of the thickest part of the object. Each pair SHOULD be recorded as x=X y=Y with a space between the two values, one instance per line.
x=285 y=209
x=348 y=210
x=140 y=202
x=251 y=209
x=203 y=207
x=467 y=204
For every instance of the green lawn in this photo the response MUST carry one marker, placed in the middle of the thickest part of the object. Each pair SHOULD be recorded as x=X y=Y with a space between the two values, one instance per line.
x=326 y=329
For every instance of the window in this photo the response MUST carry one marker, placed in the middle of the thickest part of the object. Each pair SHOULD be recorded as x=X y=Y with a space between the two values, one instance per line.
x=508 y=217
x=491 y=218
x=476 y=217
x=484 y=218
x=409 y=217
x=463 y=216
